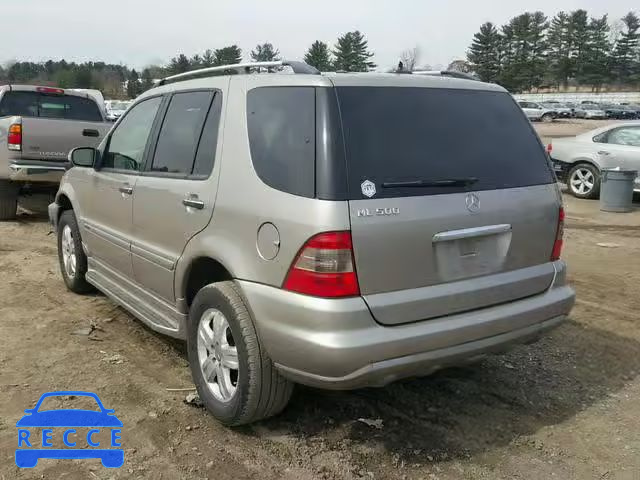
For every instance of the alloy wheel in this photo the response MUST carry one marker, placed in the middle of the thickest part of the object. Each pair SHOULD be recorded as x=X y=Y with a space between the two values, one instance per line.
x=218 y=355
x=582 y=181
x=68 y=252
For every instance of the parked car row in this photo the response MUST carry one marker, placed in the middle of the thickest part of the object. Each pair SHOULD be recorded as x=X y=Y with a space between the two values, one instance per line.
x=585 y=109
x=116 y=108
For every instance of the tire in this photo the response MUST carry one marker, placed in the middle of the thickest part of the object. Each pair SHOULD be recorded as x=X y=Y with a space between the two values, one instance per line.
x=579 y=178
x=259 y=390
x=8 y=200
x=547 y=118
x=74 y=278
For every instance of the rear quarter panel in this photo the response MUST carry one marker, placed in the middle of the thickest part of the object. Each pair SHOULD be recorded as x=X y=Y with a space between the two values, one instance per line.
x=573 y=151
x=244 y=203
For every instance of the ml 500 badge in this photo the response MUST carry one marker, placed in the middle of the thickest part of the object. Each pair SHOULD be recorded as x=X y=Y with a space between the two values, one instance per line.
x=366 y=212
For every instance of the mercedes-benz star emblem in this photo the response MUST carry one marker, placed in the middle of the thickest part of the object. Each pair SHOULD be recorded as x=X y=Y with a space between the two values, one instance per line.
x=473 y=202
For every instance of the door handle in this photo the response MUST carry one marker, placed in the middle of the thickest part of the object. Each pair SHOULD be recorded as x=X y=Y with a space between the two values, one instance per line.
x=604 y=153
x=193 y=203
x=89 y=132
x=126 y=190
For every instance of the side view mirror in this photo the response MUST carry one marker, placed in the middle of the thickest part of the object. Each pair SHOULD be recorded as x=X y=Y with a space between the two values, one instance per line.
x=82 y=156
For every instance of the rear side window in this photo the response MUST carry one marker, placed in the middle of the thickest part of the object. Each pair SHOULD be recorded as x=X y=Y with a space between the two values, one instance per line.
x=281 y=123
x=414 y=135
x=78 y=108
x=180 y=132
x=34 y=104
x=24 y=104
x=205 y=157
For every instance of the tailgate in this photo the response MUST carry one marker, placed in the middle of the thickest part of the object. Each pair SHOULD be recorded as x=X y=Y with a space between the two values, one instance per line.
x=435 y=257
x=51 y=139
x=452 y=200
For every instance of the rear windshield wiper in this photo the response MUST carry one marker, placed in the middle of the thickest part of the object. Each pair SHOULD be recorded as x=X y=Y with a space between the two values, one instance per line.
x=446 y=182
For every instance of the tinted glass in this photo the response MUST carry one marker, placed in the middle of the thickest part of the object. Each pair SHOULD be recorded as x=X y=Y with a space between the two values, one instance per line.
x=78 y=108
x=53 y=106
x=428 y=134
x=281 y=122
x=127 y=144
x=19 y=103
x=180 y=132
x=205 y=157
x=629 y=136
x=33 y=104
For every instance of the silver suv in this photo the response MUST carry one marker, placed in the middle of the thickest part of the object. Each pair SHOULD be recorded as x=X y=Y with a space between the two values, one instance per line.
x=338 y=231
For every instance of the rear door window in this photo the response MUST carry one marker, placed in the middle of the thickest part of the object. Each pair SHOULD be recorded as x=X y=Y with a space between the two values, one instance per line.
x=281 y=123
x=180 y=133
x=629 y=136
x=427 y=135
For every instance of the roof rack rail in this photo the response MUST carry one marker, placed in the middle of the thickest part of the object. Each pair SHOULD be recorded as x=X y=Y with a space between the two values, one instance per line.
x=241 y=68
x=446 y=73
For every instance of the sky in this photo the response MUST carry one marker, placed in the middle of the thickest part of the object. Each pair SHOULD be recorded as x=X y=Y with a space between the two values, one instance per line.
x=143 y=32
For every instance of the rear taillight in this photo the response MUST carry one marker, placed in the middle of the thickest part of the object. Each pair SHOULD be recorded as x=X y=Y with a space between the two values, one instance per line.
x=14 y=139
x=324 y=267
x=557 y=245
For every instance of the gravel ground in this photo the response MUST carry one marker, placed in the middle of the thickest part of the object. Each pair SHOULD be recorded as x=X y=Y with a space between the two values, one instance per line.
x=566 y=407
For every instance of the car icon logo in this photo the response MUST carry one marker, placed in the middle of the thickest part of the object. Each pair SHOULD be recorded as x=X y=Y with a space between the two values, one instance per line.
x=472 y=201
x=65 y=424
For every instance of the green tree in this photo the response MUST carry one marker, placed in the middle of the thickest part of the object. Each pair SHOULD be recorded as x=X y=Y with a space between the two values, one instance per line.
x=208 y=58
x=580 y=33
x=179 y=64
x=560 y=44
x=147 y=80
x=64 y=78
x=319 y=56
x=595 y=68
x=485 y=53
x=195 y=62
x=624 y=59
x=134 y=87
x=265 y=53
x=83 y=78
x=352 y=53
x=228 y=55
x=525 y=46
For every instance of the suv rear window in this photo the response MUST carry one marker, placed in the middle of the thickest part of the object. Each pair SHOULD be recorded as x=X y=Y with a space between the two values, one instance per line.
x=34 y=104
x=425 y=134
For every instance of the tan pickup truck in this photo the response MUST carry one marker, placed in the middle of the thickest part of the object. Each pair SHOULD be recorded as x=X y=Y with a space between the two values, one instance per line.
x=38 y=128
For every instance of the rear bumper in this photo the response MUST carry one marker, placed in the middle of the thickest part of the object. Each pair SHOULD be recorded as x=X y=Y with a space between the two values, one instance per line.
x=337 y=344
x=561 y=169
x=36 y=171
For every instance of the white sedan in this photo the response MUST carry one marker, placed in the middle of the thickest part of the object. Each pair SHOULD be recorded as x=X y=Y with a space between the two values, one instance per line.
x=579 y=160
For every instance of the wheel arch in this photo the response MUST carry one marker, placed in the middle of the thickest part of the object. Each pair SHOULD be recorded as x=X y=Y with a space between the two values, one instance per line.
x=201 y=271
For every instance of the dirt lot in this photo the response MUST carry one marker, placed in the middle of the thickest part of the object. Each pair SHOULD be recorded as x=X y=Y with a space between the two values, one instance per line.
x=566 y=407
